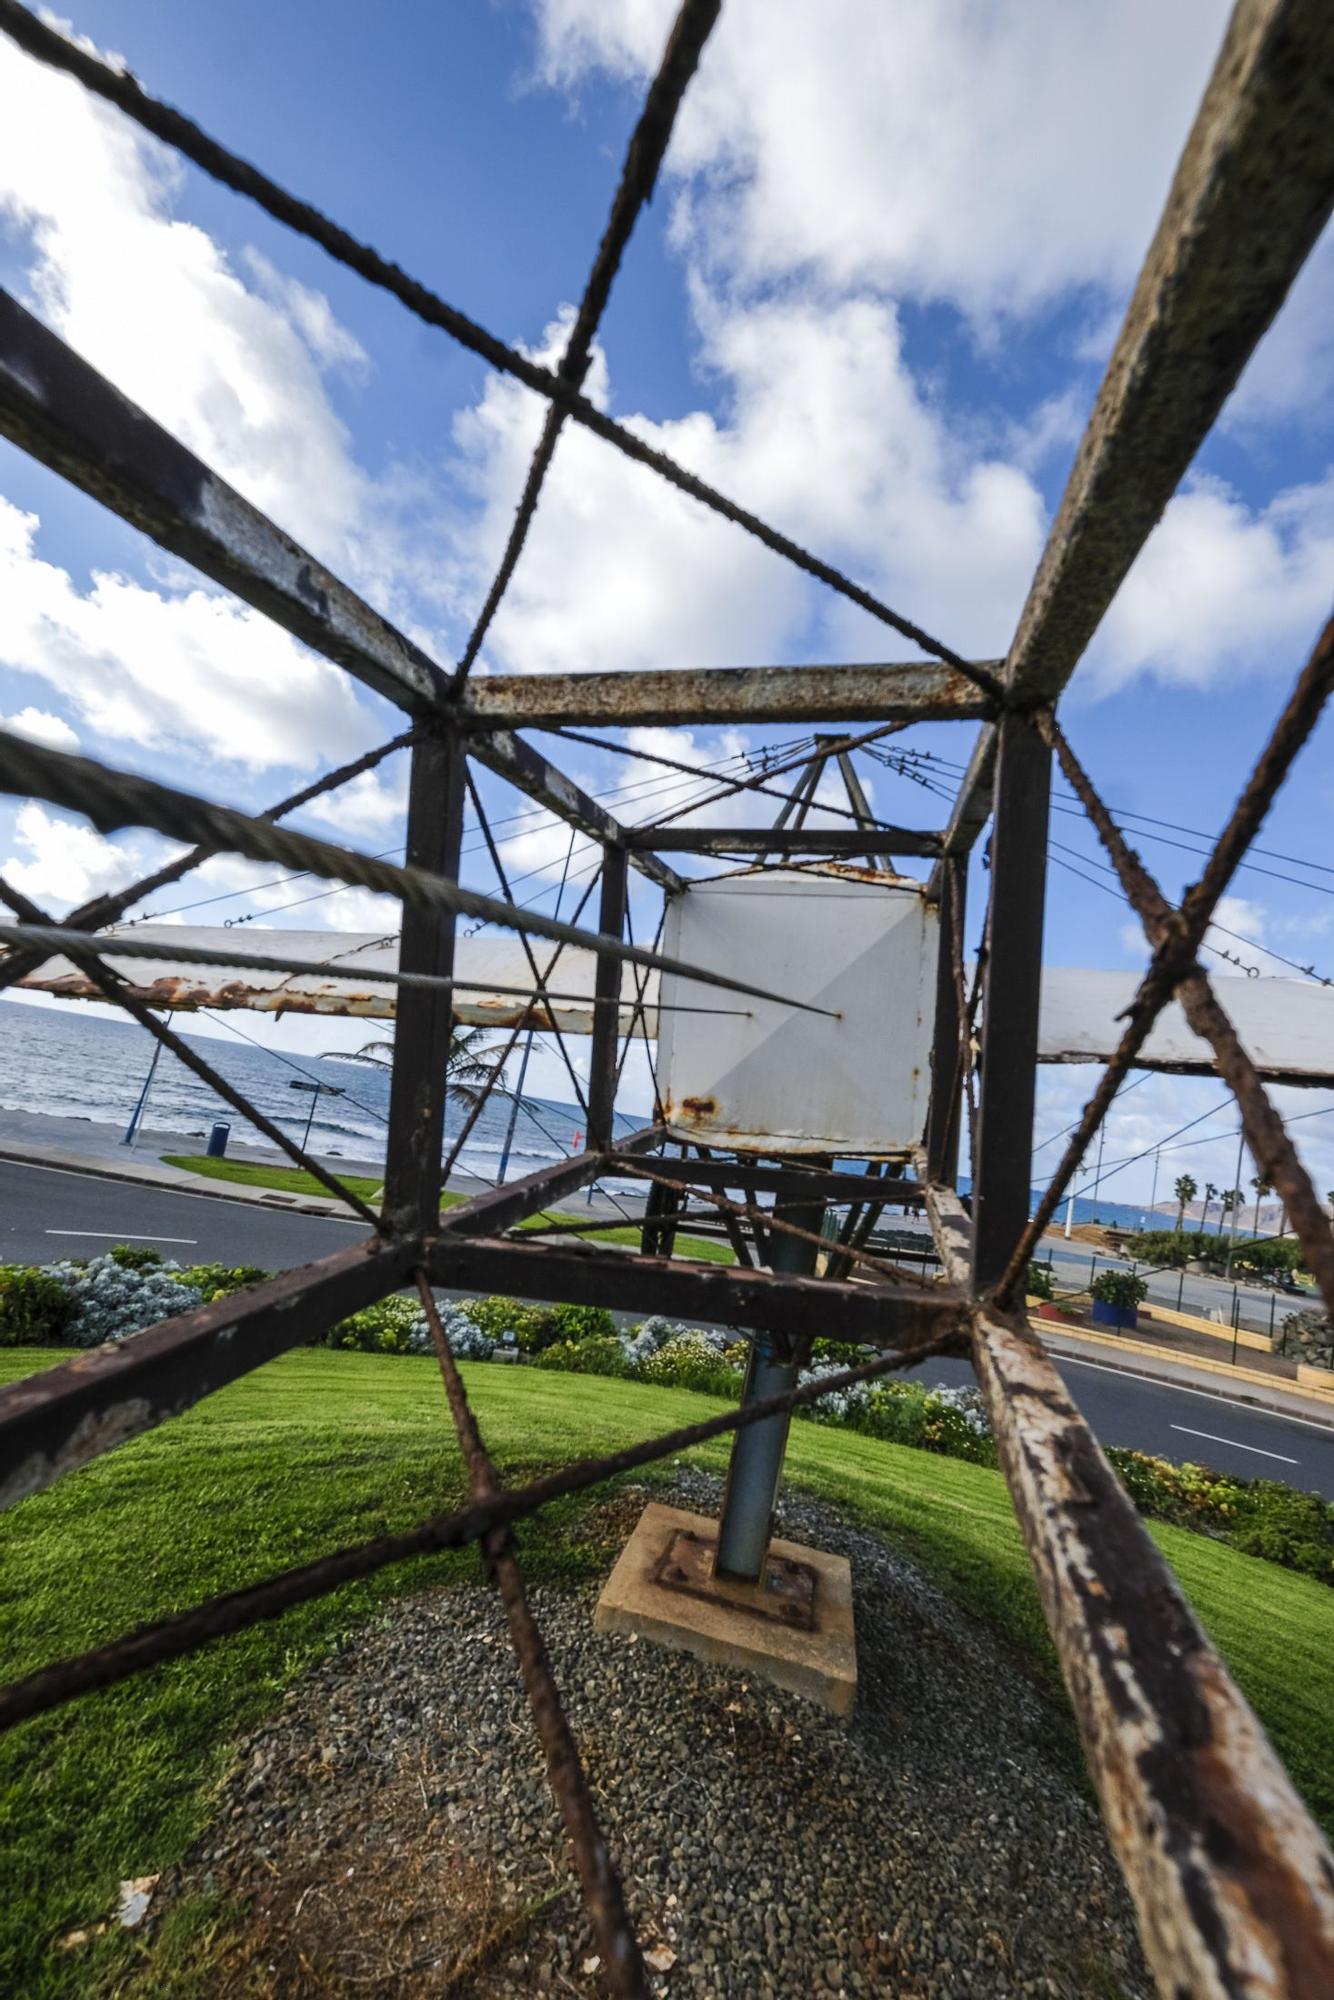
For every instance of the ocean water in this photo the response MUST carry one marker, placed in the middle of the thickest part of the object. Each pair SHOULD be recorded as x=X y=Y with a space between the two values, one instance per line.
x=67 y=1063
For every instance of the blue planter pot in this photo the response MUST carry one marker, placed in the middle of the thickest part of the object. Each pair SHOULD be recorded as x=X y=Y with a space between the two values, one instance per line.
x=1126 y=1318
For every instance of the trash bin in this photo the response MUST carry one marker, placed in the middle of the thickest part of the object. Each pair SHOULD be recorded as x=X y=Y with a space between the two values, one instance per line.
x=217 y=1140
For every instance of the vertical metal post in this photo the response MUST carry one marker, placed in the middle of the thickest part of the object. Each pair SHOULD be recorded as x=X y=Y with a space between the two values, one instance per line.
x=1003 y=1168
x=606 y=1002
x=757 y=1454
x=424 y=1017
x=942 y=1118
x=136 y=1116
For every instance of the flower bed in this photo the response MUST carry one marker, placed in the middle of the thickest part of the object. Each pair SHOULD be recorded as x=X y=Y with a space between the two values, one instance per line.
x=85 y=1304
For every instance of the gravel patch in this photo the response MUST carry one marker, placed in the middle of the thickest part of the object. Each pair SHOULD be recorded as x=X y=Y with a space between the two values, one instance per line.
x=390 y=1829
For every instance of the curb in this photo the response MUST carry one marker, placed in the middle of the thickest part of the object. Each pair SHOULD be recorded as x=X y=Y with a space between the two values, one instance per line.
x=179 y=1183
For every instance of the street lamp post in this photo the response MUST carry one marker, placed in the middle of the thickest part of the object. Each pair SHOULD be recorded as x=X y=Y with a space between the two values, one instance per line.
x=329 y=1089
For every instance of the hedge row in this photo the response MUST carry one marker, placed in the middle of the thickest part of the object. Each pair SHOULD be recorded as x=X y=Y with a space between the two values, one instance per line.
x=84 y=1304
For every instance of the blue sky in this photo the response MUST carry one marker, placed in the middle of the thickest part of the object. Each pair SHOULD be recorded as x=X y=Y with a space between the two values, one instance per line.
x=872 y=299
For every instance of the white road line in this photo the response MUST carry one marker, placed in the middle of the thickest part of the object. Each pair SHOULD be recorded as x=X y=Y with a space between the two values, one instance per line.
x=122 y=1236
x=1182 y=1389
x=1236 y=1444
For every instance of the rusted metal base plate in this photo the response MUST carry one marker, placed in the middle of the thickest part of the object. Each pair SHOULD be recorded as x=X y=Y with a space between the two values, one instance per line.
x=795 y=1629
x=786 y=1591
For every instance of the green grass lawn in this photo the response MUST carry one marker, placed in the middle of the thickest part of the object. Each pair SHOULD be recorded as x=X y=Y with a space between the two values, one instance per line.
x=295 y=1180
x=320 y=1448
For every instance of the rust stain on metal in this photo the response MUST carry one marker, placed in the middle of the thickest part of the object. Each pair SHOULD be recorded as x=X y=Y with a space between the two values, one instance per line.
x=784 y=1596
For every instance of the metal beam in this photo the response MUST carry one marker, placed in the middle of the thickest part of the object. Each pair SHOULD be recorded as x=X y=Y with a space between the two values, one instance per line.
x=602 y=1065
x=424 y=1017
x=58 y=408
x=835 y=840
x=1232 y=1882
x=1001 y=1173
x=1251 y=194
x=59 y=1419
x=943 y=1120
x=915 y=691
x=717 y=1295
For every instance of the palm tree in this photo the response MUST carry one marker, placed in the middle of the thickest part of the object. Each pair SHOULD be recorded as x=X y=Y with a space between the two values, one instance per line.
x=472 y=1067
x=1185 y=1190
x=1209 y=1192
x=1263 y=1186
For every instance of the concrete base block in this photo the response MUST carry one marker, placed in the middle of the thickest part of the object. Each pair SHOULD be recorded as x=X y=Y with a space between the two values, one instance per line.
x=748 y=1627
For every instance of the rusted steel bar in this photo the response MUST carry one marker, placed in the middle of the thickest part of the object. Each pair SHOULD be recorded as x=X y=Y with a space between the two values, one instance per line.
x=58 y=408
x=234 y=1611
x=837 y=840
x=500 y=1208
x=59 y=1419
x=1233 y=1884
x=1273 y=1151
x=714 y=1294
x=424 y=1021
x=1174 y=956
x=106 y=909
x=790 y=1180
x=123 y=90
x=644 y=156
x=113 y=799
x=55 y=406
x=1002 y=1168
x=1249 y=199
x=511 y=758
x=603 y=1896
x=916 y=691
x=606 y=1004
x=949 y=1031
x=114 y=991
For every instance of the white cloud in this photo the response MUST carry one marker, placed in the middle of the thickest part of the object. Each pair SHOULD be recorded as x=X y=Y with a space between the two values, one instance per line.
x=1220 y=589
x=197 y=670
x=60 y=862
x=992 y=157
x=39 y=726
x=826 y=434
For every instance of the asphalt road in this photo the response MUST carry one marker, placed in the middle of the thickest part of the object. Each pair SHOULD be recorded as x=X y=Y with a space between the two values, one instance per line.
x=46 y=1214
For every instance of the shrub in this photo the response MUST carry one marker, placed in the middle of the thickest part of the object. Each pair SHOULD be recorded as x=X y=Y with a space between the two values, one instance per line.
x=111 y=1301
x=691 y=1361
x=844 y=1352
x=1119 y=1288
x=135 y=1256
x=35 y=1307
x=219 y=1281
x=511 y=1323
x=581 y=1323
x=584 y=1357
x=1039 y=1281
x=387 y=1327
x=649 y=1336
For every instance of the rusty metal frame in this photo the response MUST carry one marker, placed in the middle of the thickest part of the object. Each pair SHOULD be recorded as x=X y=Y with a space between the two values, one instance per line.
x=1233 y=1885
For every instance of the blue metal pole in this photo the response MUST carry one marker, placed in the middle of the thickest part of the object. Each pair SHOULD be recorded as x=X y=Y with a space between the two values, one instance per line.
x=514 y=1109
x=131 y=1130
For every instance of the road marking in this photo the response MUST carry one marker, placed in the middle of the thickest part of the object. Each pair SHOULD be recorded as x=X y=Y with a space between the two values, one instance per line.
x=122 y=1236
x=1182 y=1389
x=1236 y=1444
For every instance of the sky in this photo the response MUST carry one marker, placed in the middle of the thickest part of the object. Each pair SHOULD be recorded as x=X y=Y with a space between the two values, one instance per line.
x=872 y=300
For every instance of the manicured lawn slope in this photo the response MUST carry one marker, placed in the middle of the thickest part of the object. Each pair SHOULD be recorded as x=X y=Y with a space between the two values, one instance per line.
x=321 y=1448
